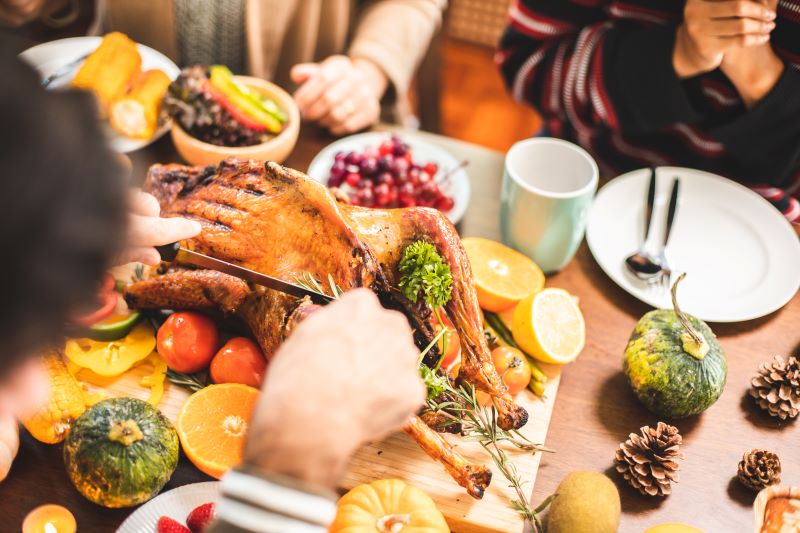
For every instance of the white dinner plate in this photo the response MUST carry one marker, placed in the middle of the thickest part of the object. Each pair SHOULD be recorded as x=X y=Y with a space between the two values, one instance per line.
x=48 y=57
x=423 y=152
x=740 y=255
x=176 y=503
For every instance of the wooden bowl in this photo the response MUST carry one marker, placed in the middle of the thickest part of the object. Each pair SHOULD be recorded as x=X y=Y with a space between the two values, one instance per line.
x=760 y=504
x=278 y=148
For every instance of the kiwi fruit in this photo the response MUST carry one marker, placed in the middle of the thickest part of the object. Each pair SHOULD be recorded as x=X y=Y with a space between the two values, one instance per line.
x=585 y=502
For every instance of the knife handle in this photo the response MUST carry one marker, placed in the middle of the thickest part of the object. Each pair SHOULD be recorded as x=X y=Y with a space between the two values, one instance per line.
x=169 y=251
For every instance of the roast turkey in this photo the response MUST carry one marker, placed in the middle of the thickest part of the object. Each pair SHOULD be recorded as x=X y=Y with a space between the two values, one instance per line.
x=281 y=222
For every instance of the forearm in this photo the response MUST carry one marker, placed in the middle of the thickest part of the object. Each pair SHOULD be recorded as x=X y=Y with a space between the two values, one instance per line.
x=755 y=78
x=394 y=35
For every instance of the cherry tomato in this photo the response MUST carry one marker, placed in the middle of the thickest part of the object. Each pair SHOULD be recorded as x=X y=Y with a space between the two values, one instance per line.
x=187 y=341
x=239 y=361
x=512 y=367
x=107 y=298
x=450 y=338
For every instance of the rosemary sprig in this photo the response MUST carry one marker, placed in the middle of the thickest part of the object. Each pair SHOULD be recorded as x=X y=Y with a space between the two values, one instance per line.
x=538 y=378
x=479 y=424
x=191 y=382
x=309 y=282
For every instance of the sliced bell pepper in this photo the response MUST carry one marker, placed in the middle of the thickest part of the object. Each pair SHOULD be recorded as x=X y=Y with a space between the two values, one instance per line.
x=241 y=97
x=115 y=357
x=155 y=380
x=231 y=108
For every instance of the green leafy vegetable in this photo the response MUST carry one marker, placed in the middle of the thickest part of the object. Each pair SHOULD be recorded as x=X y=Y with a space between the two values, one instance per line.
x=423 y=273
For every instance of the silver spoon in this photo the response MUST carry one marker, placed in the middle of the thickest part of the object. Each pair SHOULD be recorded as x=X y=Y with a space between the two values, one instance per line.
x=641 y=263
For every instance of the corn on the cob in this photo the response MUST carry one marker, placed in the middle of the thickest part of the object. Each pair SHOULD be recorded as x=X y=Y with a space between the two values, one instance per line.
x=109 y=69
x=52 y=423
x=136 y=113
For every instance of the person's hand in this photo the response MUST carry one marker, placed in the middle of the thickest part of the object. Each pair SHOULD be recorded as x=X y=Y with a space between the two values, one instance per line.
x=348 y=374
x=341 y=94
x=711 y=28
x=753 y=70
x=19 y=12
x=146 y=229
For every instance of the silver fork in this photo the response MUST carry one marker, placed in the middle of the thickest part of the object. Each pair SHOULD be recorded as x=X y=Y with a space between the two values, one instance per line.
x=664 y=280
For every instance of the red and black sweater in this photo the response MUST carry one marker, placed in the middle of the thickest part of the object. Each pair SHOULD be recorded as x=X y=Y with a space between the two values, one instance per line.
x=600 y=73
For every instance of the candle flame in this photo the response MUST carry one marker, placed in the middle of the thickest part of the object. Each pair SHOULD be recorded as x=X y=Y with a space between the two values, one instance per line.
x=50 y=528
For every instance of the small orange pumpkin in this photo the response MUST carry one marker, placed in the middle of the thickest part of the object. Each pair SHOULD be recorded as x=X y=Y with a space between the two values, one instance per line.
x=388 y=506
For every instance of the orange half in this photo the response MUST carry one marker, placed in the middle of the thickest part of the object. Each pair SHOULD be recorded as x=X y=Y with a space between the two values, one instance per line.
x=213 y=424
x=503 y=276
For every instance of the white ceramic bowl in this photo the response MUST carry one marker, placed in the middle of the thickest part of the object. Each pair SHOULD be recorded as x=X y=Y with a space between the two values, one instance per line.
x=424 y=152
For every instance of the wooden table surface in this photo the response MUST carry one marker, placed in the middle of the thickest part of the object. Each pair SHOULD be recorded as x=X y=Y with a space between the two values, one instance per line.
x=595 y=409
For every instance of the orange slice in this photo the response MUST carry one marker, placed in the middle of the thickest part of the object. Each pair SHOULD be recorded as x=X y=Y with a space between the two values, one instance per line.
x=502 y=276
x=213 y=424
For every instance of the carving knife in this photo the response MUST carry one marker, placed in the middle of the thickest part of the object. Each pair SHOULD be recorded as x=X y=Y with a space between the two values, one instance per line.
x=174 y=252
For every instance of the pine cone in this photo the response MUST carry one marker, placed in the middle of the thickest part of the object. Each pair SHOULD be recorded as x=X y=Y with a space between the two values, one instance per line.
x=648 y=462
x=776 y=387
x=759 y=469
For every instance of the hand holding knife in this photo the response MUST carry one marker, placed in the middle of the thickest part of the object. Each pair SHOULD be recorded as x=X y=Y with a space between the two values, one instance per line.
x=174 y=252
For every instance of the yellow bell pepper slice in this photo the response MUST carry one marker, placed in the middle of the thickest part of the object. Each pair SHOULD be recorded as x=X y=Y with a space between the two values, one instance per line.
x=155 y=380
x=115 y=357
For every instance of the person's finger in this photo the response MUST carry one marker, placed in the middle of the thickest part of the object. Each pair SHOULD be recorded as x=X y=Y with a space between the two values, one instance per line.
x=355 y=122
x=302 y=71
x=330 y=100
x=743 y=41
x=735 y=8
x=739 y=26
x=154 y=231
x=139 y=254
x=142 y=203
x=331 y=70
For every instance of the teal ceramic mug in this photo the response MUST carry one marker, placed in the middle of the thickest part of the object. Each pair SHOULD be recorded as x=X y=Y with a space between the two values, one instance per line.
x=548 y=186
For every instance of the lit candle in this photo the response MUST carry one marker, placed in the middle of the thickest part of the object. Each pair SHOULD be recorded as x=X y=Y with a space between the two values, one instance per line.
x=49 y=518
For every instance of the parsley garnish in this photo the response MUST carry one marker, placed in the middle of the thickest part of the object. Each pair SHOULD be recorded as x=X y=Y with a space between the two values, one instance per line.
x=423 y=273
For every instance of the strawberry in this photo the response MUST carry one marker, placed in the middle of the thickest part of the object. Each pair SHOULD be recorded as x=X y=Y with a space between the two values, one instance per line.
x=168 y=525
x=199 y=519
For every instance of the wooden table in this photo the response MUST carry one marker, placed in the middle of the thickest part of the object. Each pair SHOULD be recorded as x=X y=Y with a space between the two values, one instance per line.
x=595 y=409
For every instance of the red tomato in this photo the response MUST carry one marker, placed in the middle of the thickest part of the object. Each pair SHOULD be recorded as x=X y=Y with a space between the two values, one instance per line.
x=450 y=338
x=239 y=361
x=107 y=298
x=187 y=341
x=512 y=367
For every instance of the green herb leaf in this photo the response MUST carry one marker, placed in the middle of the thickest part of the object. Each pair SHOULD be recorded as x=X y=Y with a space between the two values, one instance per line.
x=423 y=273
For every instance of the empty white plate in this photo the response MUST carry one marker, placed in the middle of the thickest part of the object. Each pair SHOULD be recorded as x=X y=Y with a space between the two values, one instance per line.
x=741 y=256
x=176 y=504
x=48 y=58
x=458 y=186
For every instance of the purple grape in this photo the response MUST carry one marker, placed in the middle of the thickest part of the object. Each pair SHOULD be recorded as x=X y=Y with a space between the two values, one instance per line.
x=399 y=166
x=385 y=177
x=385 y=162
x=369 y=165
x=353 y=158
x=339 y=157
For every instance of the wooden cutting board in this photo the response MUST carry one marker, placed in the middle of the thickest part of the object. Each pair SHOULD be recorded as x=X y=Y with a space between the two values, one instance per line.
x=398 y=456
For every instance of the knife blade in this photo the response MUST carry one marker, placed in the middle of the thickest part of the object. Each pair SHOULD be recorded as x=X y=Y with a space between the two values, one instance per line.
x=174 y=252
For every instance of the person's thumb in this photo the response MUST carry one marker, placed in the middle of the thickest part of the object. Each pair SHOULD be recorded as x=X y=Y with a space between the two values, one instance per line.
x=302 y=71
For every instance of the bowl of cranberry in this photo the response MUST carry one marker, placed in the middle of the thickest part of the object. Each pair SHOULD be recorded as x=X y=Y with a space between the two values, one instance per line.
x=377 y=169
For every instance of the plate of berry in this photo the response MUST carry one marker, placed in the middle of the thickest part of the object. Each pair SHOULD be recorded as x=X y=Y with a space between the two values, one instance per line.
x=378 y=169
x=185 y=509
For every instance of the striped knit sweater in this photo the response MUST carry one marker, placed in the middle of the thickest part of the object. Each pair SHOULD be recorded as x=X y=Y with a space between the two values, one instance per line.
x=600 y=73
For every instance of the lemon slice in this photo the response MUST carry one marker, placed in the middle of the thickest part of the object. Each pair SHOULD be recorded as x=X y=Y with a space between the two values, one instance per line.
x=549 y=326
x=502 y=276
